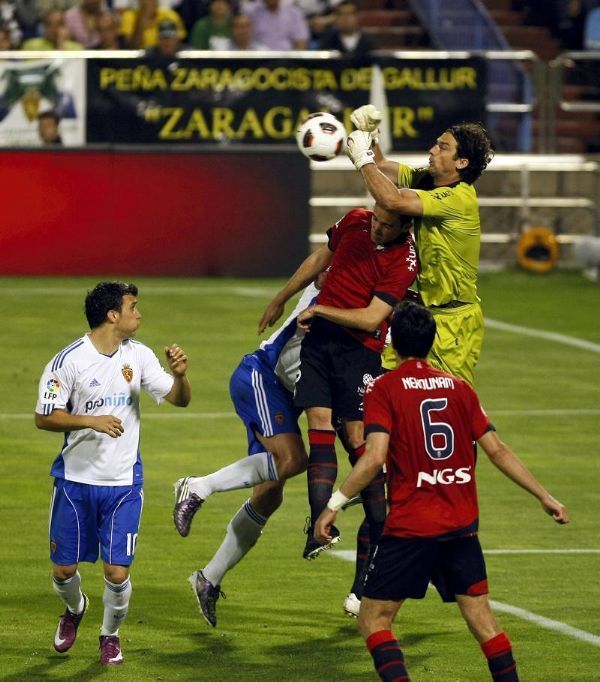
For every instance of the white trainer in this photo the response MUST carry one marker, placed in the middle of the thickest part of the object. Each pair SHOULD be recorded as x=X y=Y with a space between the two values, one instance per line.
x=352 y=605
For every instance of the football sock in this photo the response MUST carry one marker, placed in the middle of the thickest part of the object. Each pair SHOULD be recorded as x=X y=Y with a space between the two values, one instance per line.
x=501 y=662
x=69 y=591
x=322 y=470
x=362 y=558
x=373 y=499
x=245 y=473
x=116 y=604
x=242 y=534
x=387 y=656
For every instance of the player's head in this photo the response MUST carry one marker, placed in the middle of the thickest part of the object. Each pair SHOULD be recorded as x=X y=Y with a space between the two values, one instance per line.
x=107 y=297
x=474 y=146
x=389 y=226
x=413 y=330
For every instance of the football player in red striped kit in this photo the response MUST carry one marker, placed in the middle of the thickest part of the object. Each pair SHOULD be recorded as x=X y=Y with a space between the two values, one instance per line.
x=422 y=423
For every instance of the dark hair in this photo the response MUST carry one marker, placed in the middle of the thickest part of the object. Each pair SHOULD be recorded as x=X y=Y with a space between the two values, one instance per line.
x=106 y=296
x=346 y=3
x=49 y=114
x=472 y=143
x=413 y=330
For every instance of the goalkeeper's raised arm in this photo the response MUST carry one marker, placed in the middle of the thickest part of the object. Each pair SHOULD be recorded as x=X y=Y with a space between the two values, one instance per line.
x=368 y=119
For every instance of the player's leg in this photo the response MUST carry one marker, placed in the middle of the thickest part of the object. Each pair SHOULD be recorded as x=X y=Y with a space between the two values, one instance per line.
x=375 y=624
x=71 y=541
x=243 y=532
x=312 y=393
x=460 y=575
x=266 y=409
x=351 y=382
x=458 y=340
x=120 y=515
x=495 y=644
x=373 y=496
x=400 y=569
x=352 y=600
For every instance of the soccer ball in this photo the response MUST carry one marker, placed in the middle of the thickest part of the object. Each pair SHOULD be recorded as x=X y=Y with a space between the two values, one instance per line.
x=321 y=137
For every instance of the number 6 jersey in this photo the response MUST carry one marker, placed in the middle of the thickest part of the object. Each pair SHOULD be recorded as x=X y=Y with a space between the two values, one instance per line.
x=432 y=419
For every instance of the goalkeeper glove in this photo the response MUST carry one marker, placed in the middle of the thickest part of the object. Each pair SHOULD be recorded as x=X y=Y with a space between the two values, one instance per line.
x=366 y=118
x=358 y=149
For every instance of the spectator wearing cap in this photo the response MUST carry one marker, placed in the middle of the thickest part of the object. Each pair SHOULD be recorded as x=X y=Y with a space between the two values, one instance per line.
x=81 y=22
x=278 y=25
x=242 y=35
x=48 y=128
x=169 y=43
x=214 y=31
x=140 y=27
x=346 y=34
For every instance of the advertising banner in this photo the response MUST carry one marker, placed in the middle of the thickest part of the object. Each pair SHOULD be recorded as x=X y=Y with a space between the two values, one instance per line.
x=32 y=87
x=154 y=212
x=262 y=101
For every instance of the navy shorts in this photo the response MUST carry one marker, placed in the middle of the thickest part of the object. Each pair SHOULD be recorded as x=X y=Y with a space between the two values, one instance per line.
x=334 y=370
x=402 y=568
x=261 y=402
x=86 y=520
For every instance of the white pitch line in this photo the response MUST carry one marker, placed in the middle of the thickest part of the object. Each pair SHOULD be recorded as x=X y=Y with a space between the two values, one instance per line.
x=536 y=619
x=232 y=414
x=541 y=551
x=164 y=415
x=251 y=292
x=547 y=623
x=546 y=413
x=350 y=554
x=540 y=334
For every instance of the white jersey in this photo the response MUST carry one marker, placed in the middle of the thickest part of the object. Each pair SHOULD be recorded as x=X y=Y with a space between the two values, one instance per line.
x=282 y=348
x=83 y=381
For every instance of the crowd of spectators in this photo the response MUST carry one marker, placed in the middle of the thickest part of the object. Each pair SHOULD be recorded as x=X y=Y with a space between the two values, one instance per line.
x=160 y=26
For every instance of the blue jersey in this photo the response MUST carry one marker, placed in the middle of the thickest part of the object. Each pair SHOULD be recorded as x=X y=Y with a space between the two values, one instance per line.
x=281 y=351
x=262 y=384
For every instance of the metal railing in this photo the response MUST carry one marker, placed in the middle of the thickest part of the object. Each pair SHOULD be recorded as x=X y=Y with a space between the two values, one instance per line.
x=525 y=164
x=587 y=64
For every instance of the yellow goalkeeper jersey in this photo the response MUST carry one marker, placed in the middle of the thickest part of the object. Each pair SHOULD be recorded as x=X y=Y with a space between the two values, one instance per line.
x=447 y=236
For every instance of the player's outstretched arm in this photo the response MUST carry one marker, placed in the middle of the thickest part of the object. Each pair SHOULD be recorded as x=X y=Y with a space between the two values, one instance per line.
x=306 y=273
x=368 y=119
x=62 y=421
x=366 y=319
x=512 y=467
x=181 y=392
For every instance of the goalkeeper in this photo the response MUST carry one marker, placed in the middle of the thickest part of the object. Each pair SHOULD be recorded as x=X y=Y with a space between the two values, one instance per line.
x=443 y=201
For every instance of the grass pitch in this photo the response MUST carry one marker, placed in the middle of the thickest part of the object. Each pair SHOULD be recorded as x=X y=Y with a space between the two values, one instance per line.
x=282 y=619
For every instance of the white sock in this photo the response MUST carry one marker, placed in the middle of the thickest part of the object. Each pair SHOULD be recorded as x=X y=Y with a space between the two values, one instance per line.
x=69 y=591
x=242 y=534
x=245 y=473
x=116 y=603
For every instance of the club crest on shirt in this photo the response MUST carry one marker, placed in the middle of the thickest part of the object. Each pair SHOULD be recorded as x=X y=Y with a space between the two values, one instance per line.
x=127 y=373
x=279 y=418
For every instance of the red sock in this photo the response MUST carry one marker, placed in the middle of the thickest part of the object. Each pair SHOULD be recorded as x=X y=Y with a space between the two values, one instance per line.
x=387 y=656
x=501 y=662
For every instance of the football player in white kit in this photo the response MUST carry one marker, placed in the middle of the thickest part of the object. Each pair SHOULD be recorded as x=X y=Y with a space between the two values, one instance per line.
x=90 y=391
x=261 y=390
